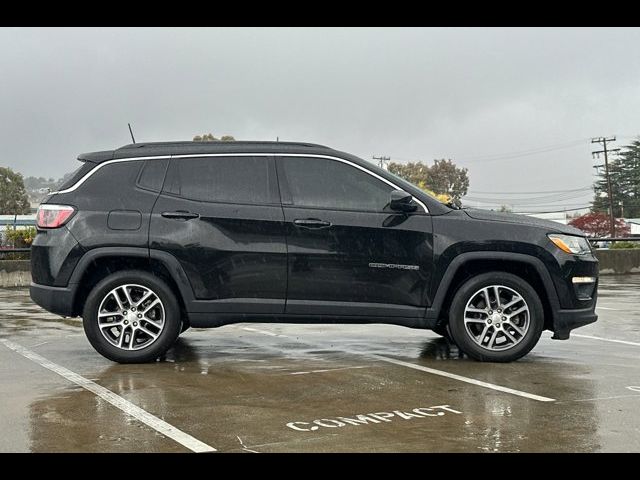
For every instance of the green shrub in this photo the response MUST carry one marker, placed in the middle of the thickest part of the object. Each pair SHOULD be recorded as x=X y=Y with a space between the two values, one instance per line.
x=621 y=245
x=20 y=238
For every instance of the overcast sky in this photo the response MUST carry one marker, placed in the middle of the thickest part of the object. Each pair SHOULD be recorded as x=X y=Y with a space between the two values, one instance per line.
x=486 y=98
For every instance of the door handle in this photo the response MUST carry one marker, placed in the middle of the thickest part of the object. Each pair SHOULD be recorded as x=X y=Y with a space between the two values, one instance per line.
x=311 y=223
x=180 y=214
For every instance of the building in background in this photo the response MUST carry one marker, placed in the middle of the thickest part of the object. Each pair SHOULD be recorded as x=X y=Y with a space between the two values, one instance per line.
x=560 y=217
x=634 y=223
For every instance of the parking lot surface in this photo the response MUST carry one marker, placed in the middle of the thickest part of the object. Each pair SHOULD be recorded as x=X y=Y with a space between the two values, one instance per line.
x=320 y=388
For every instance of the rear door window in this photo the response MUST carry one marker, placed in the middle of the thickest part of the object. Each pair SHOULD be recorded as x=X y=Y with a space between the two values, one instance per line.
x=244 y=180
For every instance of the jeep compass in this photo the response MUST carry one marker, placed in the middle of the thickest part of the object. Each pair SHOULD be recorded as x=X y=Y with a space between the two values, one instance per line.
x=149 y=239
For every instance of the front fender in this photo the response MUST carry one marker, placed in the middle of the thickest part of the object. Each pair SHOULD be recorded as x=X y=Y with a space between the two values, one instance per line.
x=434 y=311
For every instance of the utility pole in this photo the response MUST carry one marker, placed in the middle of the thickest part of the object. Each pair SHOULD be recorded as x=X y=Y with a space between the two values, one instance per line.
x=381 y=160
x=603 y=141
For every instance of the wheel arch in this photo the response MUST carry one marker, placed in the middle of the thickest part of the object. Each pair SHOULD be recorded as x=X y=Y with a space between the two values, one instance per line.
x=100 y=262
x=467 y=265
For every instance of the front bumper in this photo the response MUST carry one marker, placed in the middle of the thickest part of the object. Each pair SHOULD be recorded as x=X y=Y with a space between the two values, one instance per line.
x=58 y=300
x=566 y=320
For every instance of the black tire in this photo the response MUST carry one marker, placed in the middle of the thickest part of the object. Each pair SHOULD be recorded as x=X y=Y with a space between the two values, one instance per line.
x=166 y=338
x=464 y=339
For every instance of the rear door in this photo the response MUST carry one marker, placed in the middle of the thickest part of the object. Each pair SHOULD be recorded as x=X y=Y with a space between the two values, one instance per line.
x=348 y=253
x=221 y=217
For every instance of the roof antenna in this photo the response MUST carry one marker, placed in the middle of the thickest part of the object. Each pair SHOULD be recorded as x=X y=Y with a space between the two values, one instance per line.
x=131 y=132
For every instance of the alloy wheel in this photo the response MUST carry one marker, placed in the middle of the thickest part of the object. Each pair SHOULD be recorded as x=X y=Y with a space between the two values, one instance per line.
x=131 y=317
x=497 y=318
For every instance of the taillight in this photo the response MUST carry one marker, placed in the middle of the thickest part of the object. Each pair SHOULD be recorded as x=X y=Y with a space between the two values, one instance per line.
x=53 y=216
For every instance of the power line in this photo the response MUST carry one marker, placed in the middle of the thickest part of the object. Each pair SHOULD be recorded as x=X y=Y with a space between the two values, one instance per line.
x=520 y=205
x=510 y=155
x=558 y=197
x=541 y=191
x=524 y=153
x=560 y=211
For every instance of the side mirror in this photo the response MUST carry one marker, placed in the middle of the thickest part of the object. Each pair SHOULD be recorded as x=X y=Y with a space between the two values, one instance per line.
x=402 y=201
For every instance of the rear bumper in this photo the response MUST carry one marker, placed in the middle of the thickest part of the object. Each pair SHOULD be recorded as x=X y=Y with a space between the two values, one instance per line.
x=566 y=320
x=58 y=300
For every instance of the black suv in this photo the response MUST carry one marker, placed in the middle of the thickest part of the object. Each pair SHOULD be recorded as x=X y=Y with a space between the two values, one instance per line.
x=149 y=239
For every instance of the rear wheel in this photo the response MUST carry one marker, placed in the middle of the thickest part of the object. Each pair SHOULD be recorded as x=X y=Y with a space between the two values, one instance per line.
x=131 y=317
x=496 y=317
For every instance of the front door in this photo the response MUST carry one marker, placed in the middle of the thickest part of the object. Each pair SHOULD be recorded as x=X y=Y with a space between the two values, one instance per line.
x=220 y=216
x=348 y=253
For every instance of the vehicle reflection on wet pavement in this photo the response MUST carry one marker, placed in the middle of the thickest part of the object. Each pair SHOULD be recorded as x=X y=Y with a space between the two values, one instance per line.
x=325 y=388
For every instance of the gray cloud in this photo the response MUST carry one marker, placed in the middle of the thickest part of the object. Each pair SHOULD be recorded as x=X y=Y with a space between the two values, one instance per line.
x=408 y=93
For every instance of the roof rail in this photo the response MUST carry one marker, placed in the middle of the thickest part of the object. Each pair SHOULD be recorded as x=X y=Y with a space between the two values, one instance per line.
x=235 y=142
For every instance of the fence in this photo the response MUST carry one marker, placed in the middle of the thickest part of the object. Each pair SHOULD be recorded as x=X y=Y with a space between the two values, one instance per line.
x=615 y=239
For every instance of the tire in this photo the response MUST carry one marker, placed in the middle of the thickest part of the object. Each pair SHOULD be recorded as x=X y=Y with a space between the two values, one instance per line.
x=157 y=323
x=473 y=330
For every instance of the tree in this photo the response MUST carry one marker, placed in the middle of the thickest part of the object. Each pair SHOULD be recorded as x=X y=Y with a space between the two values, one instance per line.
x=418 y=174
x=208 y=137
x=446 y=178
x=624 y=172
x=505 y=208
x=597 y=224
x=413 y=172
x=443 y=179
x=13 y=196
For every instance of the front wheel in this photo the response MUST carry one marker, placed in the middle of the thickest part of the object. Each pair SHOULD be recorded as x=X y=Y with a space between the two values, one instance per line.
x=131 y=317
x=496 y=317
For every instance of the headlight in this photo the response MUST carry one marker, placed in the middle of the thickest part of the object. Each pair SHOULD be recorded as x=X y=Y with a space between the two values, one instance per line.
x=570 y=243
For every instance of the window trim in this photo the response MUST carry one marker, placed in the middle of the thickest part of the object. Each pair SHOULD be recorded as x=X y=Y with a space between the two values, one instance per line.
x=229 y=154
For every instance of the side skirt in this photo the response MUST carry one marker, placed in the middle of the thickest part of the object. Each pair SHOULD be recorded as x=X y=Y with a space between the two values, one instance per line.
x=210 y=320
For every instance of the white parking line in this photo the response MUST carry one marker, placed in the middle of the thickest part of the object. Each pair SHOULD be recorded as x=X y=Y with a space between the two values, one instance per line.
x=635 y=344
x=117 y=401
x=460 y=378
x=433 y=371
x=244 y=447
x=607 y=308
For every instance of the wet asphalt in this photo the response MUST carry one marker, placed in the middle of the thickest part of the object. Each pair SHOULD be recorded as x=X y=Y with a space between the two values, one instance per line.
x=320 y=388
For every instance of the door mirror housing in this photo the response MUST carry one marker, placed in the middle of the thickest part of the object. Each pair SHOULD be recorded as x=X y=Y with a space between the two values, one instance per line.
x=402 y=201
